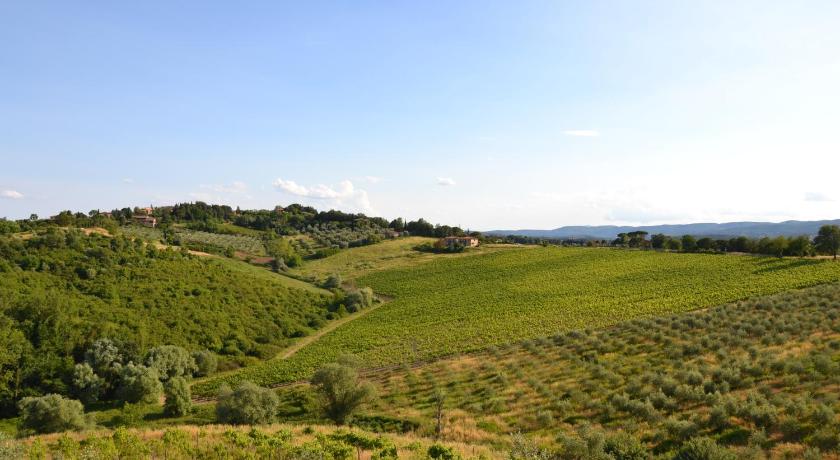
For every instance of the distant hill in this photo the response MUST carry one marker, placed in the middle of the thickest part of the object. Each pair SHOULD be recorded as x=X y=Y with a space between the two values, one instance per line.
x=729 y=229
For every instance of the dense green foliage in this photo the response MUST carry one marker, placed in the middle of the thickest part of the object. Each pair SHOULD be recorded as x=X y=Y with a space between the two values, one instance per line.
x=61 y=290
x=51 y=413
x=248 y=404
x=341 y=391
x=461 y=304
x=754 y=375
x=178 y=398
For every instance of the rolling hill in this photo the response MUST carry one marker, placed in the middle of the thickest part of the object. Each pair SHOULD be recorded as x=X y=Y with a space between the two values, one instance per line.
x=727 y=230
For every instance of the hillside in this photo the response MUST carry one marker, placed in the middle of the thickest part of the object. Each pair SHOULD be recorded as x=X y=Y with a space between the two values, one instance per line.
x=456 y=305
x=729 y=229
x=755 y=374
x=62 y=290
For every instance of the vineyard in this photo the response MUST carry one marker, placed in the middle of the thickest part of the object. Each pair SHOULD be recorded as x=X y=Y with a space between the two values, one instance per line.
x=757 y=376
x=455 y=305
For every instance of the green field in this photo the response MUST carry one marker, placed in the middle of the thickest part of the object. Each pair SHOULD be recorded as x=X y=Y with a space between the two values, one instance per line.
x=388 y=255
x=455 y=305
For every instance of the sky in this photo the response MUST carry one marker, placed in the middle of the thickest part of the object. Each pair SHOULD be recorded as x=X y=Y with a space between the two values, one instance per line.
x=484 y=114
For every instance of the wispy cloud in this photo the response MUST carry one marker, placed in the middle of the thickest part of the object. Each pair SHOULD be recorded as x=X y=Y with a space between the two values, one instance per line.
x=445 y=181
x=373 y=179
x=817 y=197
x=582 y=132
x=128 y=180
x=344 y=196
x=11 y=194
x=235 y=187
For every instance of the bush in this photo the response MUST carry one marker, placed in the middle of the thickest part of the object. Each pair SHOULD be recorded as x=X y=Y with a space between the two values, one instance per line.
x=248 y=404
x=178 y=399
x=139 y=383
x=52 y=413
x=170 y=361
x=359 y=299
x=625 y=447
x=703 y=449
x=206 y=363
x=333 y=281
x=441 y=452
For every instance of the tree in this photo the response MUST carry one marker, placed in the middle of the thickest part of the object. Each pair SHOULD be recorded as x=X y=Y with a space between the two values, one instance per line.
x=170 y=361
x=178 y=399
x=800 y=246
x=248 y=404
x=439 y=398
x=689 y=243
x=340 y=389
x=333 y=281
x=102 y=356
x=828 y=240
x=52 y=413
x=206 y=362
x=658 y=241
x=139 y=383
x=86 y=384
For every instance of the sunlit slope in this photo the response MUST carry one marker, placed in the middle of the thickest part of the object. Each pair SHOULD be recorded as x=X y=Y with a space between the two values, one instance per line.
x=463 y=304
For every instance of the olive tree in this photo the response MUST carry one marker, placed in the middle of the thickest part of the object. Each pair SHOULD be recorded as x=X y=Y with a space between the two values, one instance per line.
x=86 y=384
x=248 y=404
x=340 y=389
x=178 y=399
x=139 y=383
x=206 y=362
x=170 y=361
x=52 y=413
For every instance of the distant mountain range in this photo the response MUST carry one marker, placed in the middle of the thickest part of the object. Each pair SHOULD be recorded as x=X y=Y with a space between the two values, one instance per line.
x=728 y=230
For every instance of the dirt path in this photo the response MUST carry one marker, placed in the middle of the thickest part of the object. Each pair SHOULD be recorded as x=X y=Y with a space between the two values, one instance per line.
x=331 y=326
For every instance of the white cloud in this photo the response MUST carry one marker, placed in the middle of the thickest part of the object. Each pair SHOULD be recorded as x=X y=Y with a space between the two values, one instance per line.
x=582 y=133
x=345 y=196
x=373 y=179
x=11 y=194
x=817 y=196
x=128 y=180
x=445 y=181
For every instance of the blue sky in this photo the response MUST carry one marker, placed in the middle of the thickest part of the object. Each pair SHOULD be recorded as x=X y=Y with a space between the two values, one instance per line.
x=480 y=114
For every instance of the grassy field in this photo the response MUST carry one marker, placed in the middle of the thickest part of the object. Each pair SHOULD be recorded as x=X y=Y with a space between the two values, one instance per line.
x=225 y=442
x=463 y=304
x=388 y=255
x=761 y=374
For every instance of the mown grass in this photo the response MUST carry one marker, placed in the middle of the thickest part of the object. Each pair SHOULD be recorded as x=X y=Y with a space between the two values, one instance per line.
x=455 y=305
x=388 y=255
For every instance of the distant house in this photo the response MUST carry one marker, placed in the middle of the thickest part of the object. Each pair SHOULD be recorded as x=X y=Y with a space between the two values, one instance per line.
x=106 y=214
x=145 y=211
x=452 y=241
x=146 y=221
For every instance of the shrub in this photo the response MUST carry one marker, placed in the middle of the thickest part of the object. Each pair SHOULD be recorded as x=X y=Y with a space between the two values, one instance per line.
x=52 y=413
x=248 y=404
x=441 y=452
x=170 y=361
x=703 y=449
x=139 y=383
x=359 y=299
x=333 y=281
x=178 y=400
x=206 y=362
x=623 y=446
